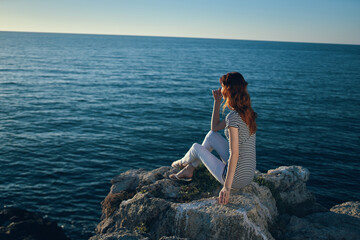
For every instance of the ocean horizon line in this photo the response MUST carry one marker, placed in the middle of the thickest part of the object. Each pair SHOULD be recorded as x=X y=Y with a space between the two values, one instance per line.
x=158 y=36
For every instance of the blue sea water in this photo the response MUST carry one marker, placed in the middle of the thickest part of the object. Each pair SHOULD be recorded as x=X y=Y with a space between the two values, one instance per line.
x=76 y=110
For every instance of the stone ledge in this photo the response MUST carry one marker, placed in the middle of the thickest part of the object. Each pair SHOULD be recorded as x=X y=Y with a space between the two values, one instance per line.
x=148 y=205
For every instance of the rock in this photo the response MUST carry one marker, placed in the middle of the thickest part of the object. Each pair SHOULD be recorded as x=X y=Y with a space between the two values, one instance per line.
x=288 y=186
x=248 y=216
x=19 y=224
x=131 y=179
x=173 y=238
x=323 y=226
x=160 y=208
x=349 y=208
x=127 y=181
x=276 y=205
x=123 y=234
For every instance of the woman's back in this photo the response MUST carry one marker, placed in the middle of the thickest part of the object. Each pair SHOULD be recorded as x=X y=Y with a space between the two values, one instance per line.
x=246 y=165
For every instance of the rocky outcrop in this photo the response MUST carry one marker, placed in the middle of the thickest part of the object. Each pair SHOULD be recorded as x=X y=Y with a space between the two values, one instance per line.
x=349 y=208
x=288 y=186
x=323 y=225
x=19 y=224
x=276 y=205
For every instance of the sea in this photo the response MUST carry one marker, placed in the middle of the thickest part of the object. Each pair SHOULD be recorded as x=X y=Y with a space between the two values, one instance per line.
x=78 y=109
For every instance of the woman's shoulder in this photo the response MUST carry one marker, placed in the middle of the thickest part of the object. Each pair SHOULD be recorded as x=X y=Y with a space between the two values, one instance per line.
x=229 y=115
x=233 y=118
x=233 y=114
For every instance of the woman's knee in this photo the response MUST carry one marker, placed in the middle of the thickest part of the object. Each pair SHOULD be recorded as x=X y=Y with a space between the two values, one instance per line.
x=195 y=145
x=211 y=134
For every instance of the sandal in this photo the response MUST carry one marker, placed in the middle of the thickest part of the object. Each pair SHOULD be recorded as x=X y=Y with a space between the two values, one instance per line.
x=178 y=164
x=180 y=179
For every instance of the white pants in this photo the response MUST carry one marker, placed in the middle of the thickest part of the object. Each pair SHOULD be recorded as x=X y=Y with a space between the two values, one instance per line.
x=202 y=153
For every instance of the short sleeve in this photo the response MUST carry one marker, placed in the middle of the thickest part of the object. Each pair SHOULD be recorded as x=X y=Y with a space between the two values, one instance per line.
x=232 y=120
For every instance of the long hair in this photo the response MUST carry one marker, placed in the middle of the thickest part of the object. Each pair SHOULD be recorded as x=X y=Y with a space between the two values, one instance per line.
x=237 y=97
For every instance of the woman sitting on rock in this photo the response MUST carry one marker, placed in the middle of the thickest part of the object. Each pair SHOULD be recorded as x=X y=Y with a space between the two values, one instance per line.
x=237 y=166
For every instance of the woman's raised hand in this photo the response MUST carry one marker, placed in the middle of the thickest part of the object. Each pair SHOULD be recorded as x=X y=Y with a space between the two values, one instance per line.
x=217 y=95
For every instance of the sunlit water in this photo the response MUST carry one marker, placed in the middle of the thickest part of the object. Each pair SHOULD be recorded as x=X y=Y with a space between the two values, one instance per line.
x=76 y=110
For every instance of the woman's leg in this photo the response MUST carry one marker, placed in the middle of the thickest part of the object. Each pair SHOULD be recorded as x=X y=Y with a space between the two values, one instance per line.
x=202 y=153
x=213 y=140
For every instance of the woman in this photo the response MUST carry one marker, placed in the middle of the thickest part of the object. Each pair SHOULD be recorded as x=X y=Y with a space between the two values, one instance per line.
x=237 y=166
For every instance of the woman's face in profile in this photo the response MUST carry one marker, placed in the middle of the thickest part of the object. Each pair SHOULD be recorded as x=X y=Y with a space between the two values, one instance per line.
x=222 y=89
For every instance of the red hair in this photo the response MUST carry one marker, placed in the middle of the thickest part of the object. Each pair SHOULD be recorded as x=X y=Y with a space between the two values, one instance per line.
x=236 y=96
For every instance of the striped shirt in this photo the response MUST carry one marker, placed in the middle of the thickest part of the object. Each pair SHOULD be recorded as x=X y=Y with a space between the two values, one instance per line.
x=246 y=165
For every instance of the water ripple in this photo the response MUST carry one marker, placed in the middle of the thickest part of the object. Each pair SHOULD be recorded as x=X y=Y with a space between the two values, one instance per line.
x=79 y=109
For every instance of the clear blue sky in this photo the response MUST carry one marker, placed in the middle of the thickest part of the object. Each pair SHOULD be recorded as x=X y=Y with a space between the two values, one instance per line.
x=328 y=21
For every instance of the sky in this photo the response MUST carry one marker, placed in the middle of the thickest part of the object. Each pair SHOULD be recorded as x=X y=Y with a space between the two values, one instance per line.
x=323 y=21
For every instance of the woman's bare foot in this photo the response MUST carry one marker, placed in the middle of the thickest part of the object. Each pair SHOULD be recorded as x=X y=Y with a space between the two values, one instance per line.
x=186 y=172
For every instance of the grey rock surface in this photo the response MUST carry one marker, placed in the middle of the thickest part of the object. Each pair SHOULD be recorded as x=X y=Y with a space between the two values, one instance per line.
x=323 y=225
x=20 y=224
x=349 y=208
x=288 y=185
x=121 y=233
x=276 y=205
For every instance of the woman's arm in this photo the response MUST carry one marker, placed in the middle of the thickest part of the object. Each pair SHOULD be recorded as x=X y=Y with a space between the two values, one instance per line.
x=224 y=194
x=234 y=155
x=216 y=124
